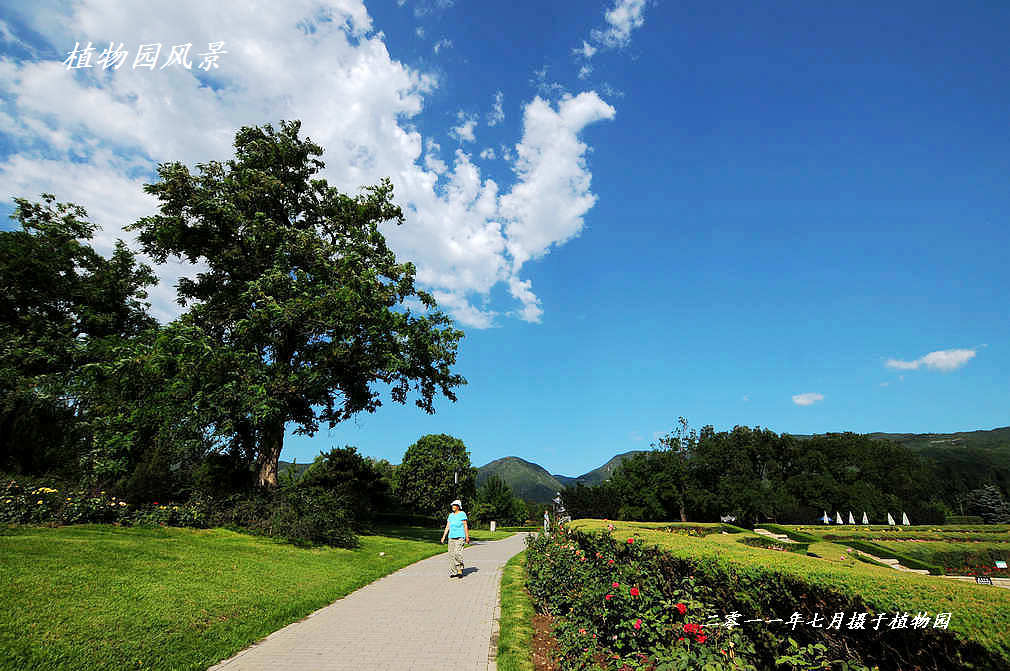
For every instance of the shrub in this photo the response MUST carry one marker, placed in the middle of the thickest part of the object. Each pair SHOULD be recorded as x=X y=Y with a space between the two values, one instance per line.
x=301 y=515
x=964 y=519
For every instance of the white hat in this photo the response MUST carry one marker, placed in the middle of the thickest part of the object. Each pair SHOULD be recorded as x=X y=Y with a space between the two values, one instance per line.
x=457 y=502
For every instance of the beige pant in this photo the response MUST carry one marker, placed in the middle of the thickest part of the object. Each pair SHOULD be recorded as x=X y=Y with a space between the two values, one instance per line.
x=455 y=555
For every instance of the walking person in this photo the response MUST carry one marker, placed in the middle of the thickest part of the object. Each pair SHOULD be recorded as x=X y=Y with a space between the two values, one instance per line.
x=458 y=530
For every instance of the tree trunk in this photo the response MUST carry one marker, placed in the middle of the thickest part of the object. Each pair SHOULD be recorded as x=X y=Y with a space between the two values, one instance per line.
x=270 y=454
x=683 y=514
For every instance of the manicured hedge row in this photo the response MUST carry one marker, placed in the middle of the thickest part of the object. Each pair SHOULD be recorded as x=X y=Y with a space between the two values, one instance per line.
x=748 y=582
x=797 y=536
x=887 y=553
x=964 y=519
x=772 y=544
x=963 y=558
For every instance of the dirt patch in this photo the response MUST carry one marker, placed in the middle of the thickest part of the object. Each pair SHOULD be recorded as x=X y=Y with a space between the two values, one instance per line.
x=545 y=647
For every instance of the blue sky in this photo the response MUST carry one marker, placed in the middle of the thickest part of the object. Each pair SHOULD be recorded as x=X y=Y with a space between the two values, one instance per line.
x=784 y=215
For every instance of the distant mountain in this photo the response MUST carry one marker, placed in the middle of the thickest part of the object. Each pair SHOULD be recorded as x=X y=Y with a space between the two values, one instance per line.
x=532 y=482
x=998 y=439
x=994 y=439
x=598 y=475
x=528 y=481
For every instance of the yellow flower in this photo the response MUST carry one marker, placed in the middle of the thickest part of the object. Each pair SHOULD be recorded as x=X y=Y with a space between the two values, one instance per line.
x=39 y=502
x=122 y=503
x=175 y=507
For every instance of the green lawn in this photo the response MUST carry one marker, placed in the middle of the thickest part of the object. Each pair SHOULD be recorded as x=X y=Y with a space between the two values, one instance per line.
x=515 y=638
x=103 y=597
x=433 y=535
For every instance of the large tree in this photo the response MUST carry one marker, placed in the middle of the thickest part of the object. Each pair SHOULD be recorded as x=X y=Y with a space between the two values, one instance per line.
x=61 y=303
x=301 y=286
x=435 y=470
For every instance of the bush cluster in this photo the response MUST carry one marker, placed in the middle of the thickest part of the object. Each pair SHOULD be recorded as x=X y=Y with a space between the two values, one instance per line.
x=617 y=606
x=301 y=515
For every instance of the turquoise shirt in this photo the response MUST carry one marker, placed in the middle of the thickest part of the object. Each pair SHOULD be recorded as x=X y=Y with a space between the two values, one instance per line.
x=456 y=525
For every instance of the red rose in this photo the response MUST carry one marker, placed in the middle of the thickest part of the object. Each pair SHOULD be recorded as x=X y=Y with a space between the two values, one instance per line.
x=682 y=608
x=634 y=591
x=609 y=597
x=702 y=638
x=615 y=584
x=630 y=541
x=638 y=623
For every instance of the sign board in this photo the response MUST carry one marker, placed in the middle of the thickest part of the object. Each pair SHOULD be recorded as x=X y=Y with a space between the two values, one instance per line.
x=983 y=580
x=493 y=523
x=1000 y=563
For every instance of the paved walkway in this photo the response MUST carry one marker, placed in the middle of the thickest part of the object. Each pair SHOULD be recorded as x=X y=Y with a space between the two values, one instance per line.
x=413 y=620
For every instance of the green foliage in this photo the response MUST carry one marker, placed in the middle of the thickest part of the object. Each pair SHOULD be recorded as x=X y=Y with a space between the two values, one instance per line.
x=426 y=480
x=496 y=502
x=222 y=474
x=61 y=301
x=301 y=303
x=987 y=502
x=760 y=476
x=964 y=519
x=353 y=478
x=772 y=544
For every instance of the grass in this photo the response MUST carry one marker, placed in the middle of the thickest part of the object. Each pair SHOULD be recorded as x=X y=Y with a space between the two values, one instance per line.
x=103 y=597
x=515 y=638
x=433 y=535
x=979 y=613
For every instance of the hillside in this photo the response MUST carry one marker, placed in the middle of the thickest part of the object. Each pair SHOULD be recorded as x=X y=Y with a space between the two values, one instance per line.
x=994 y=439
x=528 y=481
x=998 y=439
x=598 y=475
x=532 y=482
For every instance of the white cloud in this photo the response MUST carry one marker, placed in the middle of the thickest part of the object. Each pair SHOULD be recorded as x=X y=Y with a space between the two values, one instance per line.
x=419 y=31
x=807 y=399
x=621 y=19
x=464 y=132
x=497 y=114
x=944 y=360
x=95 y=138
x=431 y=160
x=885 y=384
x=586 y=50
x=443 y=43
x=585 y=71
x=624 y=17
x=547 y=205
x=487 y=154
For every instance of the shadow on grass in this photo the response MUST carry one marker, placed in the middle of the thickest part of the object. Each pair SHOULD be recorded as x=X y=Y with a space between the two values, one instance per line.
x=424 y=534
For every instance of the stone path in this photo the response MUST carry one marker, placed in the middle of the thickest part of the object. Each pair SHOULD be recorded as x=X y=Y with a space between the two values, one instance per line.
x=416 y=619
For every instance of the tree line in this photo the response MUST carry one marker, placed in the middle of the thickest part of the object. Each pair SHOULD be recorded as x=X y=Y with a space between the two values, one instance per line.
x=757 y=475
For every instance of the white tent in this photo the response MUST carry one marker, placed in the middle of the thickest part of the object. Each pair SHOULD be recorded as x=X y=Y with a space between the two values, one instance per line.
x=904 y=519
x=866 y=520
x=838 y=518
x=890 y=520
x=826 y=518
x=852 y=520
